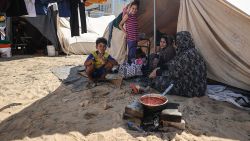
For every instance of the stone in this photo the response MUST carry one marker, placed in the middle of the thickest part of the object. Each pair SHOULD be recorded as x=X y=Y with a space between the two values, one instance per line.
x=180 y=125
x=130 y=118
x=115 y=79
x=134 y=109
x=172 y=115
x=171 y=105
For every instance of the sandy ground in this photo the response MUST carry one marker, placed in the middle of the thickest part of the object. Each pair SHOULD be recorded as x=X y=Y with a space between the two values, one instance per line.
x=35 y=105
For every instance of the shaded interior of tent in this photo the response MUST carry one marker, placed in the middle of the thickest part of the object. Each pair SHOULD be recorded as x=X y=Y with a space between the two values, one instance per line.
x=27 y=39
x=214 y=26
x=166 y=16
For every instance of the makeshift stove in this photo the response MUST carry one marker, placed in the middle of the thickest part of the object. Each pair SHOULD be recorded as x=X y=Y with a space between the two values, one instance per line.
x=142 y=119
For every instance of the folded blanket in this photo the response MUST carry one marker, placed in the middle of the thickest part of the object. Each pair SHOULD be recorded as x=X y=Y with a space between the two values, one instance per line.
x=220 y=93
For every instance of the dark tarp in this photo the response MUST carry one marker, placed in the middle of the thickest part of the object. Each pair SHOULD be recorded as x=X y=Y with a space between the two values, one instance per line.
x=46 y=24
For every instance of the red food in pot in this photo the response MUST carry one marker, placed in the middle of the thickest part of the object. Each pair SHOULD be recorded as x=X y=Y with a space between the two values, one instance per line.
x=153 y=101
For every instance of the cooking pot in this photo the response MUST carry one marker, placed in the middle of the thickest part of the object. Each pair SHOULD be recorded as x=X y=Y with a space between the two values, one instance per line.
x=155 y=101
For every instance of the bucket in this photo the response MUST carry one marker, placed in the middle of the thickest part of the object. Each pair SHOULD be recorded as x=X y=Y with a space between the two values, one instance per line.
x=5 y=50
x=51 y=50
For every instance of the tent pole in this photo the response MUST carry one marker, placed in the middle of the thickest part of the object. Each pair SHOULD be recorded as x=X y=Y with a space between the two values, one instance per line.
x=154 y=27
x=113 y=7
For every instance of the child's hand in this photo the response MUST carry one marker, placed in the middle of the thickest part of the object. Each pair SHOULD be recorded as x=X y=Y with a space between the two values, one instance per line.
x=125 y=34
x=102 y=59
x=89 y=62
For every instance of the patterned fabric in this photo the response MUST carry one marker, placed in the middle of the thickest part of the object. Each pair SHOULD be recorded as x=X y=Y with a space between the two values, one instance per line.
x=132 y=28
x=162 y=58
x=130 y=70
x=166 y=54
x=187 y=70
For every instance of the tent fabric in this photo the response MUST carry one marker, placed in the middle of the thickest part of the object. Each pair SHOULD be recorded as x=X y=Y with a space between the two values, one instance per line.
x=118 y=44
x=166 y=16
x=214 y=26
x=85 y=43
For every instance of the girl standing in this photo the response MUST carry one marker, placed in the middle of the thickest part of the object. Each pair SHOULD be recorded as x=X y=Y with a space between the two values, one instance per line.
x=131 y=31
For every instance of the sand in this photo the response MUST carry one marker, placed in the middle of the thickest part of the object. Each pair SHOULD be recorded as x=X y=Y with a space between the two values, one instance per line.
x=35 y=105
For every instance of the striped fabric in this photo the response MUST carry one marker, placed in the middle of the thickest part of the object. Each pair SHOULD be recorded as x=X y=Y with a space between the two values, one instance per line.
x=132 y=28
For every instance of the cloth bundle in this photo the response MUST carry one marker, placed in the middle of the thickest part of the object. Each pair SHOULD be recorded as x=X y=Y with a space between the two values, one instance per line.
x=220 y=93
x=130 y=70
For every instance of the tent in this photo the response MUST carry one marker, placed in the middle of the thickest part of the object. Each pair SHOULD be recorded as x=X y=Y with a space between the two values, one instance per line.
x=221 y=34
x=214 y=26
x=48 y=24
x=85 y=43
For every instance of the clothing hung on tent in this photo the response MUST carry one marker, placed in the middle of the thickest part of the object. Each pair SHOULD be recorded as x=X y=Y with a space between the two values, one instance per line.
x=41 y=8
x=67 y=8
x=64 y=8
x=30 y=6
x=74 y=21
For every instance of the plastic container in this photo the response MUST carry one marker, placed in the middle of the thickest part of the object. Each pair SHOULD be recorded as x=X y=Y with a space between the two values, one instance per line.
x=5 y=50
x=51 y=50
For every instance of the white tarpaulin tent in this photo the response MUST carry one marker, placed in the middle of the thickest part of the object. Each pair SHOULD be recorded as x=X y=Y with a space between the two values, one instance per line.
x=85 y=43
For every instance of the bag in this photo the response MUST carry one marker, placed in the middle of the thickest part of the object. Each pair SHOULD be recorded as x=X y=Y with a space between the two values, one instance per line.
x=130 y=70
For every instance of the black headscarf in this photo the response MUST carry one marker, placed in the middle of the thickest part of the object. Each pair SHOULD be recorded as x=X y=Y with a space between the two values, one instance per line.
x=184 y=42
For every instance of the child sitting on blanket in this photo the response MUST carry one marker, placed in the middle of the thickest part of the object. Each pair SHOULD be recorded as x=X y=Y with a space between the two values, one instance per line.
x=99 y=62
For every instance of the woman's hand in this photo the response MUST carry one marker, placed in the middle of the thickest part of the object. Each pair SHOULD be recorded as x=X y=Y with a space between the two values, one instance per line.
x=153 y=73
x=155 y=62
x=174 y=44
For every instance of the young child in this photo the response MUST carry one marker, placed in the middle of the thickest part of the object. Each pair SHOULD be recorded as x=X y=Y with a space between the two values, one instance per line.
x=140 y=57
x=99 y=63
x=131 y=25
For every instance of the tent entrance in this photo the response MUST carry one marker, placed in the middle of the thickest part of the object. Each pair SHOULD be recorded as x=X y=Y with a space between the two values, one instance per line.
x=27 y=39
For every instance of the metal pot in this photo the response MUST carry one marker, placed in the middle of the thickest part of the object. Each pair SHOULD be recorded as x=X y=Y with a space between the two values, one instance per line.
x=155 y=101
